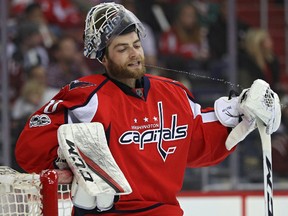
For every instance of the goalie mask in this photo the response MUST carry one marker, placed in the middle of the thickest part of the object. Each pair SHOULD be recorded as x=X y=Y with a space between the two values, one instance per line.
x=103 y=23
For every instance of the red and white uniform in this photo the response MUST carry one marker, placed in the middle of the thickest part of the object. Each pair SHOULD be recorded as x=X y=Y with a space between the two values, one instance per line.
x=153 y=137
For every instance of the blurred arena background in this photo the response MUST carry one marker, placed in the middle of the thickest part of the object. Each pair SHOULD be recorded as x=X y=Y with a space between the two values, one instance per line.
x=224 y=41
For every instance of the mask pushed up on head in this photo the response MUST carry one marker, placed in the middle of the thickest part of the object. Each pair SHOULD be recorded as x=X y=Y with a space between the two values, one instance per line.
x=103 y=23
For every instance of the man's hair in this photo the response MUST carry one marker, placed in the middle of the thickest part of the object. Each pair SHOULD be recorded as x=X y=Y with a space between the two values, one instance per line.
x=129 y=29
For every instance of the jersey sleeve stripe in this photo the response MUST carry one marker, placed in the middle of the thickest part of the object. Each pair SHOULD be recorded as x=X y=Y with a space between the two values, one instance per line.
x=86 y=113
x=209 y=117
x=196 y=110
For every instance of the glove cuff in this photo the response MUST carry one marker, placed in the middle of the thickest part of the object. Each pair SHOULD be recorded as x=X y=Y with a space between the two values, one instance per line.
x=226 y=111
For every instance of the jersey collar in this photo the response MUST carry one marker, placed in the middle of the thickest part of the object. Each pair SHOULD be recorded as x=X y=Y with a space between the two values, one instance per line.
x=143 y=82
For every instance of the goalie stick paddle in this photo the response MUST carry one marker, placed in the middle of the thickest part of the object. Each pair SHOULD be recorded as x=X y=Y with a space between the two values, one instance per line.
x=267 y=168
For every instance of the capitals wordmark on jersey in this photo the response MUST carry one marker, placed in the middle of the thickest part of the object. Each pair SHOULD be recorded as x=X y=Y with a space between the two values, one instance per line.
x=156 y=135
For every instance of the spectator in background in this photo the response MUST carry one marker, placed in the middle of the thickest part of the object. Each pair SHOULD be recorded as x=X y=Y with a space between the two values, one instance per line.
x=67 y=63
x=184 y=46
x=34 y=94
x=63 y=13
x=28 y=46
x=217 y=34
x=280 y=143
x=25 y=50
x=33 y=13
x=39 y=74
x=60 y=15
x=208 y=11
x=28 y=101
x=258 y=60
x=147 y=13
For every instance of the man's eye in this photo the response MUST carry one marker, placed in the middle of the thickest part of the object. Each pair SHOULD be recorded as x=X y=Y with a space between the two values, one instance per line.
x=137 y=46
x=122 y=50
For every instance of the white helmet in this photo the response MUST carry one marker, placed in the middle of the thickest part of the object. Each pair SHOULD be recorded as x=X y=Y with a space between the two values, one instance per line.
x=103 y=23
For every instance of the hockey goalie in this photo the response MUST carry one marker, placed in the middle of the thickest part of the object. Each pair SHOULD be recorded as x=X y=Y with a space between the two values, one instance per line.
x=129 y=136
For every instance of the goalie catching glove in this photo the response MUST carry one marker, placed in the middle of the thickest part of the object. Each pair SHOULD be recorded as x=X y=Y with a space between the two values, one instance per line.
x=241 y=113
x=97 y=177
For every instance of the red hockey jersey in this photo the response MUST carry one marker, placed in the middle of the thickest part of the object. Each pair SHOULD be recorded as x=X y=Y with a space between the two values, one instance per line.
x=153 y=137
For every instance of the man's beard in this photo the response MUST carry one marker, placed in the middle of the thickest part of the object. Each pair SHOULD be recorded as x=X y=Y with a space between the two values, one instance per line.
x=122 y=72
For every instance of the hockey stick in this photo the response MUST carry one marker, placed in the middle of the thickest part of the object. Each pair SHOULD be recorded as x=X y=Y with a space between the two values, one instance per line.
x=267 y=168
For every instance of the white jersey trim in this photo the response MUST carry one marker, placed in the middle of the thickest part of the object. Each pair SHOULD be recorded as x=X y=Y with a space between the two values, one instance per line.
x=87 y=112
x=196 y=110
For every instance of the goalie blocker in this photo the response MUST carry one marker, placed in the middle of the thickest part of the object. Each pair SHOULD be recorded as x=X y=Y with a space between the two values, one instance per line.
x=97 y=177
x=258 y=103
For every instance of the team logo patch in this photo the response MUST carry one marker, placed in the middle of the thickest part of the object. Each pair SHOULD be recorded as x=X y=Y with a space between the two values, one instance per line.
x=79 y=84
x=39 y=120
x=156 y=134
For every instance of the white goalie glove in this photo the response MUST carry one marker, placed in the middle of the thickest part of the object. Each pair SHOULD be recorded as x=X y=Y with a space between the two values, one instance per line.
x=257 y=102
x=97 y=177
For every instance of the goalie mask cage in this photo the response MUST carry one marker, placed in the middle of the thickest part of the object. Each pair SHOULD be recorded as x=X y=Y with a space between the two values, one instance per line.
x=46 y=194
